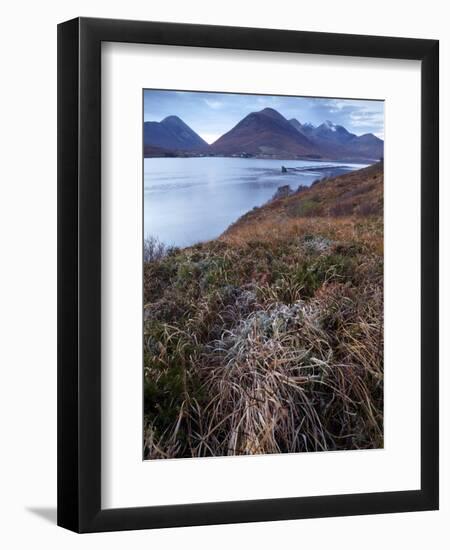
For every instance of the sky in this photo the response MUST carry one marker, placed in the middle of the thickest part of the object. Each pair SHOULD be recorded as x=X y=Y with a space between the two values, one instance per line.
x=211 y=114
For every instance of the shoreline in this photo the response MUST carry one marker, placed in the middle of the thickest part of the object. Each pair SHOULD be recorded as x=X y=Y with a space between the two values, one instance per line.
x=357 y=160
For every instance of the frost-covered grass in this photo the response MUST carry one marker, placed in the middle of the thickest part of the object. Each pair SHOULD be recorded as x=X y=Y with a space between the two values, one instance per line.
x=267 y=340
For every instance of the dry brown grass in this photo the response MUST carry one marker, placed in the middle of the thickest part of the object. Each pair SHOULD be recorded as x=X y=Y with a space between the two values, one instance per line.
x=368 y=231
x=267 y=340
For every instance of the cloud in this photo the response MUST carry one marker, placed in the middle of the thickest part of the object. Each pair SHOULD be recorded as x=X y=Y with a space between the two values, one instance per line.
x=338 y=105
x=214 y=103
x=364 y=118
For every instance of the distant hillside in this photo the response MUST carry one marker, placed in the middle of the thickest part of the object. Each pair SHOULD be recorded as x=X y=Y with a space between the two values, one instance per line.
x=264 y=132
x=358 y=193
x=153 y=151
x=335 y=141
x=171 y=134
x=367 y=146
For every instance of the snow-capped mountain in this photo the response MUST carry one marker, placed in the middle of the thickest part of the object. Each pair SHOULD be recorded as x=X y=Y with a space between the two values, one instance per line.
x=335 y=141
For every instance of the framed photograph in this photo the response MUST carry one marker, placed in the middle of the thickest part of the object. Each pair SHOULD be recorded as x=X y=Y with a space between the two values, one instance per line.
x=248 y=275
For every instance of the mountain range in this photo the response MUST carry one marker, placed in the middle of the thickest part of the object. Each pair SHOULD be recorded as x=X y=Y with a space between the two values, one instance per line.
x=265 y=133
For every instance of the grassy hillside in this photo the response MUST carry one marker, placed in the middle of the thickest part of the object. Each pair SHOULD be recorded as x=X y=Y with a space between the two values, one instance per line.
x=358 y=193
x=270 y=338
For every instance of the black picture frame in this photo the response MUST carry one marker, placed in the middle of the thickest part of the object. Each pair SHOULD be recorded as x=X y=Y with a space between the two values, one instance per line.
x=79 y=274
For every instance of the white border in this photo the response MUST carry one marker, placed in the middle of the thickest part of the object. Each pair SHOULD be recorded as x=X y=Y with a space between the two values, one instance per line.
x=127 y=481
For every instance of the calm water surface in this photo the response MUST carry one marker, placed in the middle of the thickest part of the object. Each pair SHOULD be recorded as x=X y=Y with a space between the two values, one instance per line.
x=188 y=200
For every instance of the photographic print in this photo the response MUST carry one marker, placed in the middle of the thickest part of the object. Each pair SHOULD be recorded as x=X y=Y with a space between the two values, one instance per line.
x=263 y=274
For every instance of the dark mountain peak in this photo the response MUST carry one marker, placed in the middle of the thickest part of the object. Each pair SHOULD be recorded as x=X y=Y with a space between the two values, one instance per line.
x=327 y=126
x=330 y=126
x=172 y=133
x=367 y=146
x=306 y=128
x=172 y=118
x=296 y=124
x=264 y=132
x=330 y=131
x=268 y=111
x=370 y=137
x=266 y=119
